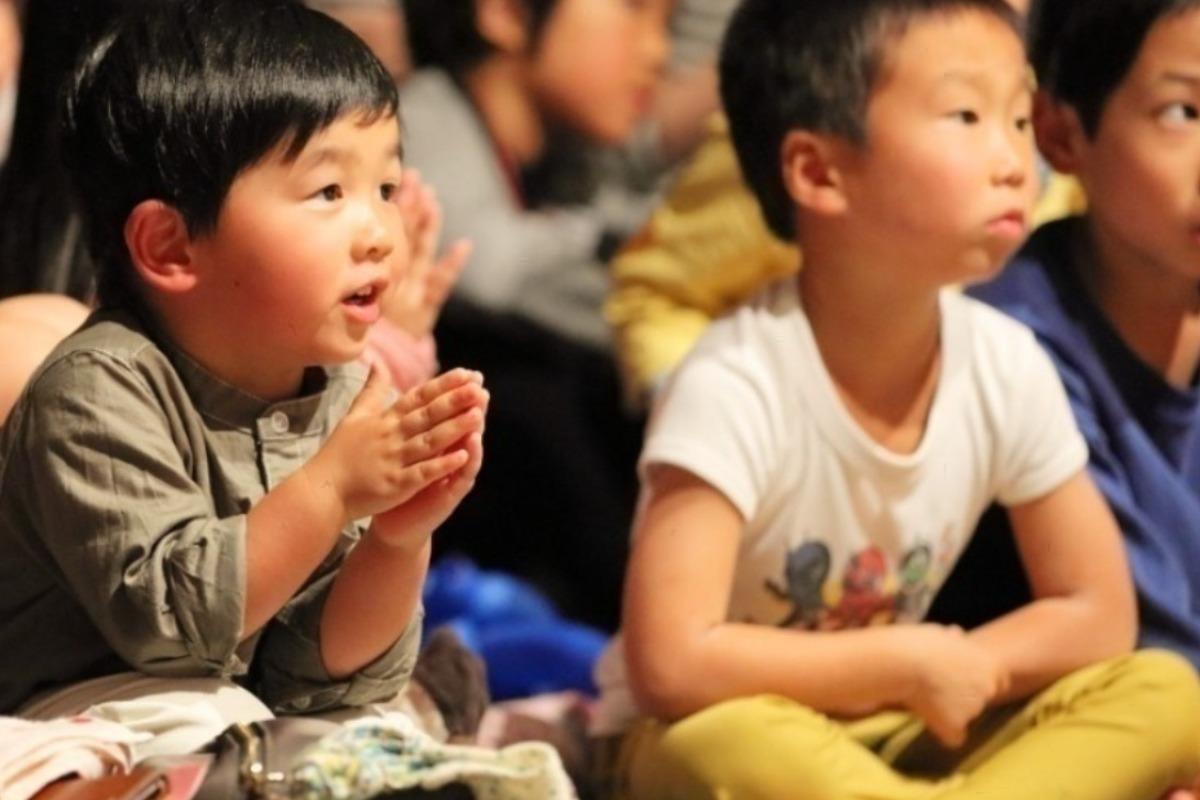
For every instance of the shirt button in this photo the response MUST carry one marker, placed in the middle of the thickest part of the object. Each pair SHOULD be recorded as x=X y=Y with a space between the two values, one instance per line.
x=279 y=422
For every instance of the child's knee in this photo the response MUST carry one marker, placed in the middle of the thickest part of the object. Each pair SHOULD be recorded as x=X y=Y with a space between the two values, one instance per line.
x=754 y=747
x=1163 y=674
x=1166 y=689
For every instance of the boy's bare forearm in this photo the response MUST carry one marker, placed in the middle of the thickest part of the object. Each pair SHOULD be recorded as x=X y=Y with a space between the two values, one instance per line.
x=847 y=673
x=1049 y=638
x=1083 y=609
x=288 y=533
x=372 y=601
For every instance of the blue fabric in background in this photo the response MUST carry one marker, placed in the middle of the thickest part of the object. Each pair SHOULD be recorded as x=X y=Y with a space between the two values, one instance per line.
x=528 y=648
x=1140 y=430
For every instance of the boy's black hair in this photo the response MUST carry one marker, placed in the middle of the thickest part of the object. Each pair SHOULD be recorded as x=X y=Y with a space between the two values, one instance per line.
x=174 y=102
x=1082 y=49
x=810 y=64
x=443 y=33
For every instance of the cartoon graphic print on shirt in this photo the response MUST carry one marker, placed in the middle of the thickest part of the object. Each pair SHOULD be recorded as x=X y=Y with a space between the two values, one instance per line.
x=805 y=573
x=870 y=592
x=863 y=592
x=915 y=593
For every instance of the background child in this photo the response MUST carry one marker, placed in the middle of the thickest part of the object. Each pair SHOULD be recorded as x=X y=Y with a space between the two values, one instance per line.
x=1113 y=295
x=819 y=461
x=197 y=483
x=499 y=86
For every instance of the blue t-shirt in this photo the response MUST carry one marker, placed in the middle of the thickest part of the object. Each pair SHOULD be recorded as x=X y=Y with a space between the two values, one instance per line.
x=1141 y=431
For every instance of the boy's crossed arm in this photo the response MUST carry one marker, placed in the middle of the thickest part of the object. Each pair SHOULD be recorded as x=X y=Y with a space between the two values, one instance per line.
x=1083 y=609
x=684 y=656
x=415 y=458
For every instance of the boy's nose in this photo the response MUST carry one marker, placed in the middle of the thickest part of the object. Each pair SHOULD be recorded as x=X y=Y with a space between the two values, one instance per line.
x=1013 y=161
x=375 y=241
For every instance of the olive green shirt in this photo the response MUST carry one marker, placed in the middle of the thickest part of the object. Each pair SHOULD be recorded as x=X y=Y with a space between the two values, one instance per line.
x=126 y=473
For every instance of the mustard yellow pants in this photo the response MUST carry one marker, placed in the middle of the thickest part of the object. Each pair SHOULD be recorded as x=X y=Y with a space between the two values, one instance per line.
x=1125 y=729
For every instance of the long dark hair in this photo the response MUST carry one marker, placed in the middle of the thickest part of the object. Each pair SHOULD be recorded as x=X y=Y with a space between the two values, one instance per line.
x=41 y=241
x=443 y=33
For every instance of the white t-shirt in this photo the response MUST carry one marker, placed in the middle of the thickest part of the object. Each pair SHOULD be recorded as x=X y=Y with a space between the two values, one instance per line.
x=841 y=532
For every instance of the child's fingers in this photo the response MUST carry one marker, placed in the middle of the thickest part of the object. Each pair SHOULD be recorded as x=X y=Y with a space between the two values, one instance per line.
x=433 y=210
x=444 y=407
x=431 y=389
x=430 y=471
x=373 y=394
x=407 y=198
x=440 y=437
x=470 y=470
x=444 y=275
x=462 y=481
x=428 y=223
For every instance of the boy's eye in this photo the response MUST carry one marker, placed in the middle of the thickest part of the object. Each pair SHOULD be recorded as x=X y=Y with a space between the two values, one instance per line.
x=966 y=116
x=1179 y=113
x=388 y=191
x=331 y=192
x=1022 y=123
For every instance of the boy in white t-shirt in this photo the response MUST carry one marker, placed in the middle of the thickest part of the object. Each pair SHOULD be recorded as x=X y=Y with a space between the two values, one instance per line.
x=816 y=466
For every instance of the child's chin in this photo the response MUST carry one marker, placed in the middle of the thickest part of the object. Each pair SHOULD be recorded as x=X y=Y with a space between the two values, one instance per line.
x=612 y=130
x=984 y=270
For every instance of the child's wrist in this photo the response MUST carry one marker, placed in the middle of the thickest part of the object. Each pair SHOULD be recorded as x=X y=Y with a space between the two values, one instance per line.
x=390 y=542
x=323 y=481
x=907 y=659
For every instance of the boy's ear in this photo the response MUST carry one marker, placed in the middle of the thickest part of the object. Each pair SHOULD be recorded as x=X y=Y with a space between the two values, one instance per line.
x=503 y=24
x=811 y=173
x=159 y=247
x=1061 y=138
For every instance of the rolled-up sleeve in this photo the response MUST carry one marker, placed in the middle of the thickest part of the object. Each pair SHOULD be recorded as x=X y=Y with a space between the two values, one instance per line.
x=290 y=676
x=127 y=528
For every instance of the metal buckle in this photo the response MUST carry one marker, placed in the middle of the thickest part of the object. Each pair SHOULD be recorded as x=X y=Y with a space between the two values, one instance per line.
x=254 y=779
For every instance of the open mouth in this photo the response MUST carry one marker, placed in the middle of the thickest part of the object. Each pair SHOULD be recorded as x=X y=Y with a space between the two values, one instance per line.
x=363 y=297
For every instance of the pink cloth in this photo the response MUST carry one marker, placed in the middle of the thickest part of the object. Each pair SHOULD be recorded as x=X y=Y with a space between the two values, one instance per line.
x=410 y=360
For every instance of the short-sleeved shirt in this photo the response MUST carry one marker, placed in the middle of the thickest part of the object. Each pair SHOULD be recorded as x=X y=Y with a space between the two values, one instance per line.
x=126 y=474
x=841 y=532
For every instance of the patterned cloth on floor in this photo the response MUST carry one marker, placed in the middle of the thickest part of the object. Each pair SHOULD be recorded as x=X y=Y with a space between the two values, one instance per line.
x=375 y=756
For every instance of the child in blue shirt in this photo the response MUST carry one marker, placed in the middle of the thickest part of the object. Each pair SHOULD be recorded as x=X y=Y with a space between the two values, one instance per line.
x=1114 y=295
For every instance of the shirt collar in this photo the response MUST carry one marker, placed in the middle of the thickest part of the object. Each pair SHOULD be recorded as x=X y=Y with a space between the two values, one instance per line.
x=222 y=401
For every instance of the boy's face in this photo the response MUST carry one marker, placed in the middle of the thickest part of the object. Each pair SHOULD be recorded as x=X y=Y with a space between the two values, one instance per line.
x=1141 y=169
x=597 y=62
x=303 y=251
x=944 y=180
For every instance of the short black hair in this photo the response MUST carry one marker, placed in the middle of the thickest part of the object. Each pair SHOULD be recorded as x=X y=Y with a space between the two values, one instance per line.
x=443 y=33
x=810 y=64
x=1082 y=49
x=174 y=102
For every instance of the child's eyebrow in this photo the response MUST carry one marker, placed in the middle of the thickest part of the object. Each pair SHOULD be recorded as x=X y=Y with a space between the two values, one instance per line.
x=328 y=154
x=981 y=80
x=344 y=156
x=1189 y=79
x=974 y=78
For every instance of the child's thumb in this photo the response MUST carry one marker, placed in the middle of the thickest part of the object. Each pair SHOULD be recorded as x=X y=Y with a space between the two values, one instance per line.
x=378 y=383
